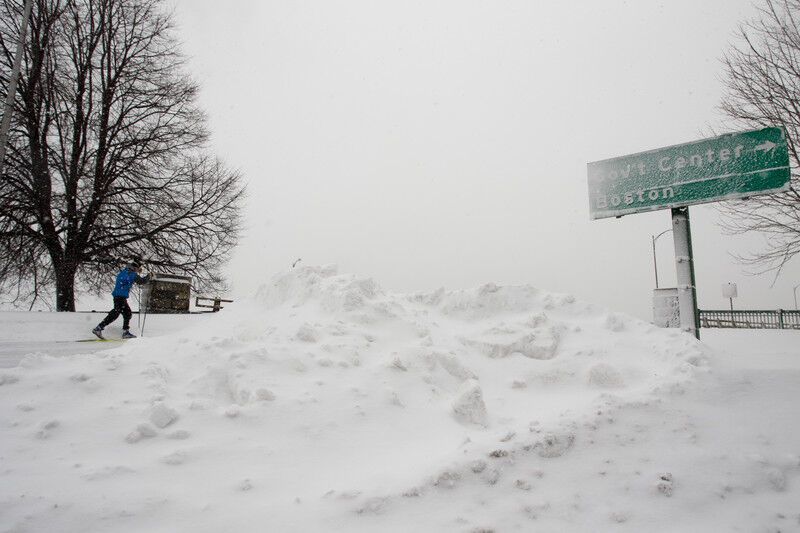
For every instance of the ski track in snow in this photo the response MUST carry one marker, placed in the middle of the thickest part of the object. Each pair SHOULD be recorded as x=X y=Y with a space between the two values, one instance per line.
x=327 y=404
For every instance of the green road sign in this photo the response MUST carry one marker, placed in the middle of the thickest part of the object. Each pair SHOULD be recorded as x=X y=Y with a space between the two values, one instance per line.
x=731 y=166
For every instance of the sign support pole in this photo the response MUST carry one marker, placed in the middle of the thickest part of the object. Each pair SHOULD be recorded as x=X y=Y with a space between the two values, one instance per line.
x=684 y=266
x=733 y=320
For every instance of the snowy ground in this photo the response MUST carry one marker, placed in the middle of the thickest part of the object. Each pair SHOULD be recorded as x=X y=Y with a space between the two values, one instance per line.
x=327 y=404
x=57 y=333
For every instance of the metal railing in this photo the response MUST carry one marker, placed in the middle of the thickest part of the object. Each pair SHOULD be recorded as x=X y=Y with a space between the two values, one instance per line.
x=773 y=319
x=215 y=303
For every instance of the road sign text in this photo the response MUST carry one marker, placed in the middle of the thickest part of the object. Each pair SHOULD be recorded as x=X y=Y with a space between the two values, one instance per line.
x=721 y=168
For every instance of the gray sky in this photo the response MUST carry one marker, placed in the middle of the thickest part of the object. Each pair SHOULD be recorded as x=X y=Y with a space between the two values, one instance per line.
x=444 y=143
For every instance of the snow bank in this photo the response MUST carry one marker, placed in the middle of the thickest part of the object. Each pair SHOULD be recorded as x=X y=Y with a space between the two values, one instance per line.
x=325 y=398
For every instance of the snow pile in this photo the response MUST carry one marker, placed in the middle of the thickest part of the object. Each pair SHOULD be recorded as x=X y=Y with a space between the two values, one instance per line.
x=321 y=405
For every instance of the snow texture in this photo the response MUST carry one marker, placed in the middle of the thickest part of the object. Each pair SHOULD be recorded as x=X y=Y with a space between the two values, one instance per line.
x=329 y=404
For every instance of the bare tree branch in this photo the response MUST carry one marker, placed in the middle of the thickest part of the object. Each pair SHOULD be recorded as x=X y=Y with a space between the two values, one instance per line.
x=762 y=75
x=108 y=153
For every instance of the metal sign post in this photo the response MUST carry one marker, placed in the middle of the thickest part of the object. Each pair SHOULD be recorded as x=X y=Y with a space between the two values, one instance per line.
x=684 y=267
x=730 y=292
x=736 y=165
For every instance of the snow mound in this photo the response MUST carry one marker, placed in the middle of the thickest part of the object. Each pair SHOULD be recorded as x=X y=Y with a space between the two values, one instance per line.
x=324 y=389
x=322 y=285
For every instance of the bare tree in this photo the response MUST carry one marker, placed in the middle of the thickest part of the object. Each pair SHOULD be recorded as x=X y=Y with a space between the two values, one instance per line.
x=763 y=78
x=107 y=156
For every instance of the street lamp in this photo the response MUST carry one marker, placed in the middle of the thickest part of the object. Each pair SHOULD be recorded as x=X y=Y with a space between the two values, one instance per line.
x=794 y=290
x=655 y=263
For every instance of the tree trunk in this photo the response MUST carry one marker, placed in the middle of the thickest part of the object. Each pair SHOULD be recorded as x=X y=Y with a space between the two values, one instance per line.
x=65 y=288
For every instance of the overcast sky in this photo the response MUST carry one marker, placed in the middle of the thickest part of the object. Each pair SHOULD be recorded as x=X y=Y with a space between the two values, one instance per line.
x=444 y=143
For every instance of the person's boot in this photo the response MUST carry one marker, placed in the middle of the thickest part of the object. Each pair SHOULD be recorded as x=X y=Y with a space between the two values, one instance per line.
x=98 y=331
x=128 y=335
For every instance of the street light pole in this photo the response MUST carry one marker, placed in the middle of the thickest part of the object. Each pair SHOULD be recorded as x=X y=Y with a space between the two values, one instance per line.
x=794 y=290
x=655 y=263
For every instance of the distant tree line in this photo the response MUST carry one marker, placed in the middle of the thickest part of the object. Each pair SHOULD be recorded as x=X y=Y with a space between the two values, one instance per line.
x=108 y=153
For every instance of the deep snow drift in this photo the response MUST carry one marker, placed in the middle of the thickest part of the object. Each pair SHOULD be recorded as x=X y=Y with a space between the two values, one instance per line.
x=327 y=404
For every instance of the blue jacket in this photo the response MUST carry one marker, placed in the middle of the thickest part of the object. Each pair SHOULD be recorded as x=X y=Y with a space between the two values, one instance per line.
x=125 y=280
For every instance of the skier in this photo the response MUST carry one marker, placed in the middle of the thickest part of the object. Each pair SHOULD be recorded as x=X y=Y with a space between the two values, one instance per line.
x=125 y=280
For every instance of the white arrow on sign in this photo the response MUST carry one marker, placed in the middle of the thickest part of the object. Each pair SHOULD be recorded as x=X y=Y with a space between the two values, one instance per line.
x=766 y=146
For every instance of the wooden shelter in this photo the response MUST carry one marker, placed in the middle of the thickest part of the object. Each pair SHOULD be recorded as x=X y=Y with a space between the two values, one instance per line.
x=167 y=293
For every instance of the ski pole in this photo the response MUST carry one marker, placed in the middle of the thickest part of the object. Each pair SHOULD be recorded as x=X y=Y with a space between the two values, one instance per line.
x=144 y=320
x=146 y=301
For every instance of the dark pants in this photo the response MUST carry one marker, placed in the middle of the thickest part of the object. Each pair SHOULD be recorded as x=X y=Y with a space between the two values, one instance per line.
x=121 y=307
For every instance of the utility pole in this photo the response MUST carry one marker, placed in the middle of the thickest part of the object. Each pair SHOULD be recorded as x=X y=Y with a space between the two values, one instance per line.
x=11 y=91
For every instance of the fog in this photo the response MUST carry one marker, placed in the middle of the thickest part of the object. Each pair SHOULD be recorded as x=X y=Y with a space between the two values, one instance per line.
x=430 y=144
